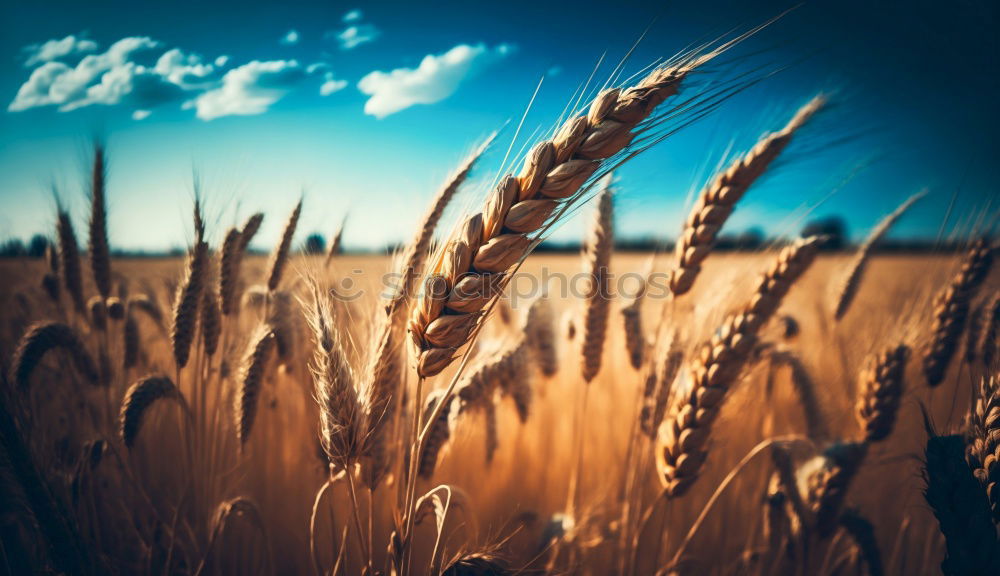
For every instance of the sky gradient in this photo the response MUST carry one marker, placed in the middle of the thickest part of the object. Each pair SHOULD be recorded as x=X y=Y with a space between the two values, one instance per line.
x=366 y=108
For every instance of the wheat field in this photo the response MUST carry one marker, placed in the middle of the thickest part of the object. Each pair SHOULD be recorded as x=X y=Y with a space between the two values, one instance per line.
x=787 y=411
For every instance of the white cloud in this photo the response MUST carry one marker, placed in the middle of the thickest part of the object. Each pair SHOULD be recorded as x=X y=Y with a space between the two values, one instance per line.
x=57 y=49
x=352 y=16
x=290 y=38
x=221 y=61
x=436 y=78
x=185 y=70
x=354 y=36
x=55 y=83
x=249 y=89
x=331 y=85
x=141 y=114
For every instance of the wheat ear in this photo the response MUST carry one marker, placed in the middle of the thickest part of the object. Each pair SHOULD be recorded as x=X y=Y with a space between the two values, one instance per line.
x=521 y=208
x=827 y=483
x=69 y=258
x=881 y=393
x=42 y=338
x=597 y=259
x=100 y=254
x=961 y=508
x=951 y=310
x=440 y=433
x=681 y=442
x=249 y=230
x=335 y=241
x=251 y=381
x=983 y=443
x=539 y=333
x=635 y=335
x=229 y=271
x=140 y=397
x=334 y=387
x=185 y=316
x=719 y=198
x=211 y=321
x=849 y=287
x=280 y=256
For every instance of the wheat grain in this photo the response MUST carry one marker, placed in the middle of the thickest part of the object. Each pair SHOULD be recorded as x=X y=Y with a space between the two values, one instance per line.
x=719 y=198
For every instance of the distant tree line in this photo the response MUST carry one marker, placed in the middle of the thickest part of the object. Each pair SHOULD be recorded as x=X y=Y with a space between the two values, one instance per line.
x=834 y=228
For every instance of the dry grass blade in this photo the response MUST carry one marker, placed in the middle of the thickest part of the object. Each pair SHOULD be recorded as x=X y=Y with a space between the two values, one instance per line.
x=961 y=508
x=597 y=259
x=251 y=380
x=853 y=279
x=881 y=393
x=100 y=253
x=139 y=398
x=280 y=256
x=681 y=442
x=520 y=208
x=719 y=198
x=43 y=338
x=951 y=311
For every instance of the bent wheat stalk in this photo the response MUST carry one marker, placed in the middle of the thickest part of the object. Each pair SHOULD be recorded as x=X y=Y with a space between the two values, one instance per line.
x=680 y=447
x=852 y=280
x=139 y=398
x=719 y=198
x=951 y=311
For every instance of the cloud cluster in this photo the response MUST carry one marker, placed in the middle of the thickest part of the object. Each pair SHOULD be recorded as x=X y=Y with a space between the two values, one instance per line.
x=249 y=89
x=130 y=73
x=290 y=38
x=436 y=78
x=356 y=32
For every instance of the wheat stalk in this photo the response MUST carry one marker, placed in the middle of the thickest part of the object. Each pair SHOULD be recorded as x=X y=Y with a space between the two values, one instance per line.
x=140 y=397
x=681 y=441
x=280 y=256
x=100 y=254
x=951 y=310
x=851 y=282
x=521 y=208
x=50 y=281
x=42 y=338
x=597 y=258
x=719 y=198
x=98 y=313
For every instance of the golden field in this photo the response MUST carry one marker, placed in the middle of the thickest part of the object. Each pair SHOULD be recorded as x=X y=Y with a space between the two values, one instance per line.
x=145 y=510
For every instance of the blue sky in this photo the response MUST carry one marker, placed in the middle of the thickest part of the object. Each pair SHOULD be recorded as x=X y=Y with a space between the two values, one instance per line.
x=366 y=107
